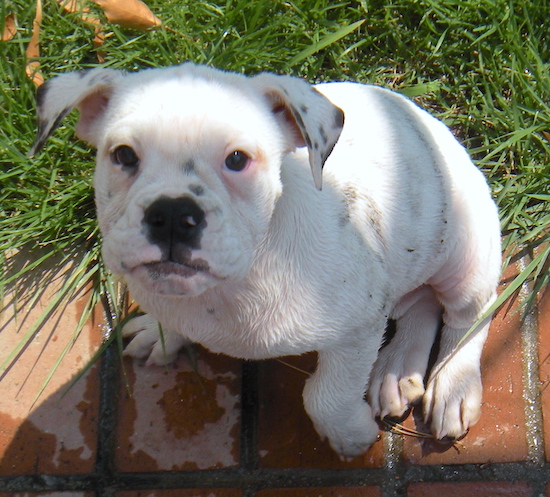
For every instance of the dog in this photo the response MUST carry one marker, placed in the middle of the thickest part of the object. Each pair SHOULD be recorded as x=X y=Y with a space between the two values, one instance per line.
x=208 y=211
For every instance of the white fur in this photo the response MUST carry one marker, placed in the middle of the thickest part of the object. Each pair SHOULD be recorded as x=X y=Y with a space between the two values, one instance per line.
x=404 y=227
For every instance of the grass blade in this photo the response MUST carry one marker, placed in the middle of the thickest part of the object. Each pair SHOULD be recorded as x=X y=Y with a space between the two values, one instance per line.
x=325 y=42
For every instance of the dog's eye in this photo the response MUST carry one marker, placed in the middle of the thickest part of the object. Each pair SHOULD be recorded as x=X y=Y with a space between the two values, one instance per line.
x=236 y=161
x=125 y=156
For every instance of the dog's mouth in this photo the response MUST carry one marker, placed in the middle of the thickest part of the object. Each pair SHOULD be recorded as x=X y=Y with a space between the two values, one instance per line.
x=164 y=269
x=188 y=277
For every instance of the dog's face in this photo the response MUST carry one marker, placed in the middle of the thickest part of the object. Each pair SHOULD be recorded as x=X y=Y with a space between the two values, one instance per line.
x=187 y=179
x=188 y=165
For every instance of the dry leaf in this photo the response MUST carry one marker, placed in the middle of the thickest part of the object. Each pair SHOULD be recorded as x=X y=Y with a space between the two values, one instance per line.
x=10 y=27
x=73 y=6
x=33 y=49
x=546 y=135
x=99 y=37
x=132 y=14
x=80 y=7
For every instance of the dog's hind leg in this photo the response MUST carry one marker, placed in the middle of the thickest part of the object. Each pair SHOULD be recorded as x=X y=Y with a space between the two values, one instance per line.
x=397 y=379
x=452 y=402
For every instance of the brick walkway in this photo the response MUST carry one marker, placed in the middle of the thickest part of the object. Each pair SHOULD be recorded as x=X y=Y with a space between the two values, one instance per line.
x=215 y=426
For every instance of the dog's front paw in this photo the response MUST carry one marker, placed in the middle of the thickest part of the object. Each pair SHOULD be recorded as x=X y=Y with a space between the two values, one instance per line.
x=452 y=402
x=352 y=437
x=393 y=390
x=150 y=340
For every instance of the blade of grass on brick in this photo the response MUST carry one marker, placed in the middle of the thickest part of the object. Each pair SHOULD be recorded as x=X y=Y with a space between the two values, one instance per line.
x=33 y=265
x=114 y=296
x=531 y=269
x=540 y=277
x=115 y=334
x=533 y=235
x=103 y=289
x=86 y=314
x=73 y=282
x=325 y=42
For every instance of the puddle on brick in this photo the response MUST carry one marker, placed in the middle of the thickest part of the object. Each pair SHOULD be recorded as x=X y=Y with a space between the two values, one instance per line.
x=182 y=418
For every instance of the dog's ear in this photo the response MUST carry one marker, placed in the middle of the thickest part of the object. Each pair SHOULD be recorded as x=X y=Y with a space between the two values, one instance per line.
x=313 y=118
x=88 y=90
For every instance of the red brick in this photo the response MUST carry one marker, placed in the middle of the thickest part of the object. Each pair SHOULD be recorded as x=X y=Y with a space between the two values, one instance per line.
x=287 y=438
x=54 y=431
x=477 y=489
x=499 y=435
x=208 y=492
x=544 y=362
x=321 y=492
x=49 y=494
x=183 y=416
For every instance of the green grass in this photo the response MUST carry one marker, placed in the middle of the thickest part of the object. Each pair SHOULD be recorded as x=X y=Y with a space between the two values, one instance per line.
x=481 y=66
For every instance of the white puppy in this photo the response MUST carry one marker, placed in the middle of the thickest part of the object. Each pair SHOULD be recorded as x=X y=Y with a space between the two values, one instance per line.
x=208 y=210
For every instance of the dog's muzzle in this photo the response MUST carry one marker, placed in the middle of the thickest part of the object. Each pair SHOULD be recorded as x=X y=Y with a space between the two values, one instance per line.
x=175 y=225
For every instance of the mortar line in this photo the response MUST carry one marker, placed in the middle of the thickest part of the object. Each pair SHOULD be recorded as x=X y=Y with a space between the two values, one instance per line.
x=531 y=378
x=394 y=485
x=105 y=469
x=249 y=451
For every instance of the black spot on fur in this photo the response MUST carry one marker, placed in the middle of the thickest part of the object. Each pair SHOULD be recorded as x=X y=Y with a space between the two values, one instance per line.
x=45 y=130
x=198 y=190
x=189 y=167
x=298 y=117
x=328 y=152
x=323 y=134
x=41 y=94
x=339 y=118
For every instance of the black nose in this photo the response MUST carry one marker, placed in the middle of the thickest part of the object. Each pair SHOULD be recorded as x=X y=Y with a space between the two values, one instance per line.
x=172 y=222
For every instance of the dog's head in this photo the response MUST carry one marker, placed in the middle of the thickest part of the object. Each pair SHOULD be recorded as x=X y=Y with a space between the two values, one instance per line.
x=188 y=164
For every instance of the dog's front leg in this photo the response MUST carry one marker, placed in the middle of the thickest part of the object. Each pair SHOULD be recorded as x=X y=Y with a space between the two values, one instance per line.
x=334 y=397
